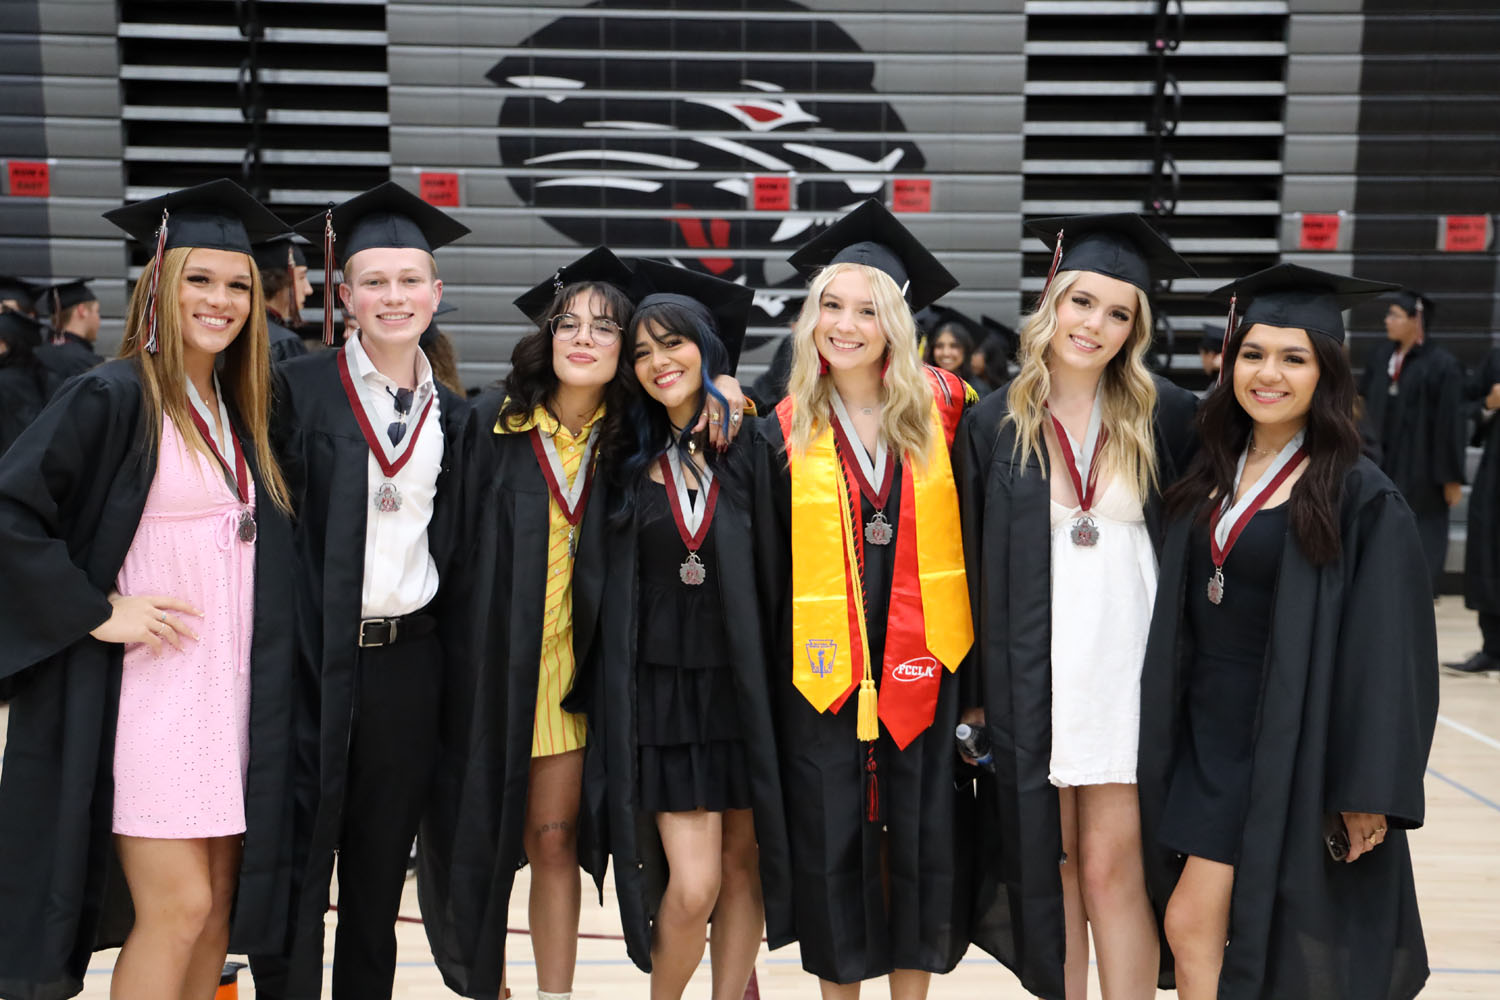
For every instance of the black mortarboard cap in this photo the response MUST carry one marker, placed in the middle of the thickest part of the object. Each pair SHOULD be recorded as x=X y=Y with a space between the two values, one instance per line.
x=284 y=251
x=872 y=236
x=998 y=330
x=1290 y=295
x=948 y=316
x=1120 y=246
x=25 y=293
x=1415 y=303
x=1213 y=339
x=217 y=215
x=598 y=265
x=68 y=294
x=20 y=331
x=430 y=334
x=726 y=302
x=387 y=215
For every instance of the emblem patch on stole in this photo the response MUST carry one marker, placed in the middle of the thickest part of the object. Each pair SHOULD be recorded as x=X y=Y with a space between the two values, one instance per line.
x=821 y=654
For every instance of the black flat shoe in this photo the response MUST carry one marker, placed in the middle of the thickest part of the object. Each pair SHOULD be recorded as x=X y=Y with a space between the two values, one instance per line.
x=1481 y=662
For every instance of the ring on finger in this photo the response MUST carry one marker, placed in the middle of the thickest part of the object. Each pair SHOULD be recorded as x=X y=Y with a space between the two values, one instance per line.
x=734 y=418
x=163 y=616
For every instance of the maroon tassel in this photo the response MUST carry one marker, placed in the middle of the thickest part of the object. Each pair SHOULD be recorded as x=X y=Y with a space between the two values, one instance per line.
x=1052 y=271
x=328 y=289
x=872 y=787
x=1228 y=332
x=161 y=249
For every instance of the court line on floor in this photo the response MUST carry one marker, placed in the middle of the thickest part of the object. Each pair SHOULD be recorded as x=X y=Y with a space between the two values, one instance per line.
x=1465 y=789
x=1487 y=740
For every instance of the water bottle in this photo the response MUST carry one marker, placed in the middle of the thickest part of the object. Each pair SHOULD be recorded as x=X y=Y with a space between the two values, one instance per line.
x=974 y=741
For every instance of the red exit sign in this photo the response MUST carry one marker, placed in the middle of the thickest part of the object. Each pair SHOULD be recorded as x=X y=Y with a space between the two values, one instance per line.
x=29 y=179
x=440 y=189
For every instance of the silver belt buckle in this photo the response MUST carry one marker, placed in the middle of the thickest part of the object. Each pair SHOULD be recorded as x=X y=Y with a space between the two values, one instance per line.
x=388 y=638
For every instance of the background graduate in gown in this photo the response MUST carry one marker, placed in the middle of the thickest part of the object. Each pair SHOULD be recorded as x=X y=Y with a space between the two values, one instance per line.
x=144 y=562
x=1061 y=560
x=1292 y=694
x=25 y=383
x=1482 y=541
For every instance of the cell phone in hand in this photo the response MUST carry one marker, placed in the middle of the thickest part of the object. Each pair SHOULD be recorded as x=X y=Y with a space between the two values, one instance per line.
x=1336 y=837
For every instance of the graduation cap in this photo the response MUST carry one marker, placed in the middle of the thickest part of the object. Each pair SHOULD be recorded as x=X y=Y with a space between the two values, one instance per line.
x=430 y=334
x=1213 y=339
x=20 y=331
x=598 y=265
x=725 y=303
x=283 y=253
x=872 y=236
x=387 y=215
x=996 y=330
x=217 y=215
x=1290 y=295
x=1415 y=304
x=71 y=293
x=1121 y=245
x=947 y=316
x=24 y=293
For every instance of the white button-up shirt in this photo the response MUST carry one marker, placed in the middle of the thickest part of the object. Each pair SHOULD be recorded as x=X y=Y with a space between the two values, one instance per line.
x=400 y=574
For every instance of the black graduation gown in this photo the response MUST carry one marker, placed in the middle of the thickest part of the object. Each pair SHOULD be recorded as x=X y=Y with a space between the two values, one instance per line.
x=633 y=840
x=1348 y=706
x=72 y=491
x=285 y=344
x=1482 y=550
x=326 y=458
x=67 y=359
x=1419 y=433
x=845 y=930
x=1018 y=914
x=25 y=387
x=472 y=840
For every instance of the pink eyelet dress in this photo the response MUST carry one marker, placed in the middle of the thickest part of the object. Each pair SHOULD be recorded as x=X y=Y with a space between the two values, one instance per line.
x=182 y=743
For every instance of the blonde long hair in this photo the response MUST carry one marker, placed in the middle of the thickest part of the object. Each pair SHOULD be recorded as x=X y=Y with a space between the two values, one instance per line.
x=1129 y=392
x=246 y=375
x=905 y=419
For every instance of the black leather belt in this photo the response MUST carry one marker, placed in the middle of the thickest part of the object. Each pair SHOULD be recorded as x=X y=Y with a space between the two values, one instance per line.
x=388 y=631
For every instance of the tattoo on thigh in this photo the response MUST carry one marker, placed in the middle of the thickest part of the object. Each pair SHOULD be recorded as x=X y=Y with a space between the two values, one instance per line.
x=561 y=824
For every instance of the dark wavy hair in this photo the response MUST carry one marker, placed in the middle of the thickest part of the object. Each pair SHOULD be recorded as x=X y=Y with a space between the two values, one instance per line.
x=965 y=337
x=1332 y=444
x=637 y=432
x=532 y=379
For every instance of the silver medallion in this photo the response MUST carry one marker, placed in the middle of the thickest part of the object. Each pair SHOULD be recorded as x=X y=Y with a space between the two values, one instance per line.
x=247 y=526
x=1393 y=389
x=1085 y=533
x=387 y=498
x=1216 y=587
x=878 y=529
x=692 y=571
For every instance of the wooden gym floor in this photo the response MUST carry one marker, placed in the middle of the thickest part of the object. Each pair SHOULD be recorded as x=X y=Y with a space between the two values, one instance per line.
x=1457 y=859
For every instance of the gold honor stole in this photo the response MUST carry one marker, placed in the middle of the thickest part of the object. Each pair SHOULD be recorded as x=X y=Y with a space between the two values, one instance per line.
x=929 y=622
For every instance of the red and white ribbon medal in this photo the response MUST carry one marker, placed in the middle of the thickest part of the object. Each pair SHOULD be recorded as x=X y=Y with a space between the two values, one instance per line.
x=1228 y=521
x=235 y=474
x=569 y=497
x=874 y=476
x=387 y=498
x=692 y=514
x=1085 y=530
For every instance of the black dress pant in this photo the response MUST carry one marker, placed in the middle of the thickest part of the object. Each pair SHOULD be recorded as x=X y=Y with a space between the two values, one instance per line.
x=1489 y=628
x=392 y=751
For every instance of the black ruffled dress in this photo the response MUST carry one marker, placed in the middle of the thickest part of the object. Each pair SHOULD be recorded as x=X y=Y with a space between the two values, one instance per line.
x=692 y=754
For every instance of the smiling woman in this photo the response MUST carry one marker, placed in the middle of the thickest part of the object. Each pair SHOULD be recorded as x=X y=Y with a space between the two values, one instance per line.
x=144 y=554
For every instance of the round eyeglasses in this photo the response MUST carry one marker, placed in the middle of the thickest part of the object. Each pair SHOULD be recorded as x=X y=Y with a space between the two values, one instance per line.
x=602 y=331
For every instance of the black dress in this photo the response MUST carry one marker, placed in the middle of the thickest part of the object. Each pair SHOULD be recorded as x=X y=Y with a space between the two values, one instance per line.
x=1210 y=787
x=692 y=755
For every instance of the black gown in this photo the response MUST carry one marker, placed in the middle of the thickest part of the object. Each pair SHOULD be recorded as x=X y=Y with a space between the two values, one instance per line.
x=1210 y=785
x=285 y=344
x=840 y=917
x=326 y=459
x=1482 y=550
x=72 y=490
x=471 y=843
x=641 y=696
x=25 y=387
x=75 y=354
x=1419 y=432
x=1346 y=716
x=1018 y=915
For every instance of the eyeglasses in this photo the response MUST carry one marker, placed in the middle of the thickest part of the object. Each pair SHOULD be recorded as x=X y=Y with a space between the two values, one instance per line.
x=397 y=428
x=602 y=331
